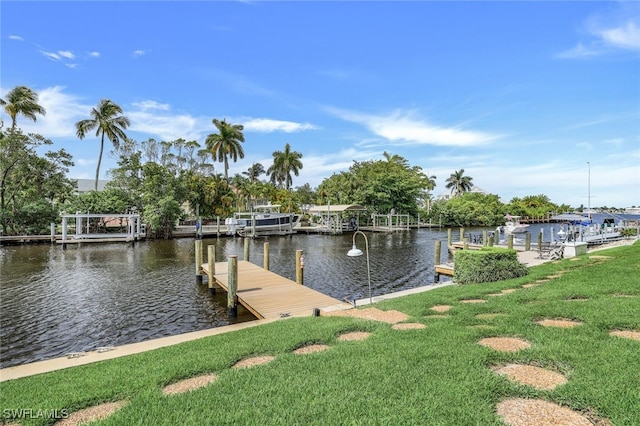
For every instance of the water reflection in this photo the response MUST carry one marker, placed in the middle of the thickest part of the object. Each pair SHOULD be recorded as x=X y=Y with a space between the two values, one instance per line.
x=56 y=301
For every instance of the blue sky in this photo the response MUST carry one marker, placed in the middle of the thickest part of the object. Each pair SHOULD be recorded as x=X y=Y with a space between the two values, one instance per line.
x=527 y=97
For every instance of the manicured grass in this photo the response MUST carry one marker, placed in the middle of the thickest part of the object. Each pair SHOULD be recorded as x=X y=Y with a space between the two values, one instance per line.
x=439 y=375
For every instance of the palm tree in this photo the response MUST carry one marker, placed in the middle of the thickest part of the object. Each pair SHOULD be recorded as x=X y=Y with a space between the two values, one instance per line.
x=395 y=158
x=458 y=183
x=285 y=162
x=108 y=120
x=254 y=172
x=226 y=143
x=22 y=100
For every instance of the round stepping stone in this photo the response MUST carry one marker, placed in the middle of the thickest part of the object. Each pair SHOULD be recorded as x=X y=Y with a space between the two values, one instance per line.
x=408 y=326
x=490 y=316
x=91 y=414
x=253 y=361
x=627 y=334
x=536 y=412
x=505 y=344
x=190 y=384
x=473 y=301
x=354 y=336
x=441 y=308
x=530 y=375
x=561 y=323
x=311 y=349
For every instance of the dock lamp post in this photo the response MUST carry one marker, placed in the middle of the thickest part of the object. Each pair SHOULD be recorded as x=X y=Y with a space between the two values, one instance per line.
x=355 y=252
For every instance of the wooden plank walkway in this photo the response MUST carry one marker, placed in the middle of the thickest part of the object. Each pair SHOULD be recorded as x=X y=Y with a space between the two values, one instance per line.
x=268 y=295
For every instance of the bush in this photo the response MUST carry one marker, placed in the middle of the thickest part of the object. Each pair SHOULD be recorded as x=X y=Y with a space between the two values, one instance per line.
x=629 y=232
x=487 y=265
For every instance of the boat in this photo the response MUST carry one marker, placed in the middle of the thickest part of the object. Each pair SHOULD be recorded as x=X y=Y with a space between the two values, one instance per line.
x=584 y=229
x=262 y=221
x=512 y=226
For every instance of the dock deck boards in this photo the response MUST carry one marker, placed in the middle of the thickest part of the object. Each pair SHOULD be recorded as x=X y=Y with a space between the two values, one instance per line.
x=268 y=295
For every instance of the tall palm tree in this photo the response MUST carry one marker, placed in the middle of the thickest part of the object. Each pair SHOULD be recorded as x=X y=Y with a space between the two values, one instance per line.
x=226 y=143
x=22 y=100
x=458 y=183
x=108 y=121
x=285 y=162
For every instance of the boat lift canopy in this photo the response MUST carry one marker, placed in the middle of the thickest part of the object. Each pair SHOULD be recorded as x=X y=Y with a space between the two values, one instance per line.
x=331 y=216
x=572 y=218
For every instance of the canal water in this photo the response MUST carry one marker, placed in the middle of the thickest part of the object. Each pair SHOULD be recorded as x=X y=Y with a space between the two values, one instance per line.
x=54 y=302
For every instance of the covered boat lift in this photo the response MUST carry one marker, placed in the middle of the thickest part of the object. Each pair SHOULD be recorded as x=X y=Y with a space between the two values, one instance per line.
x=332 y=217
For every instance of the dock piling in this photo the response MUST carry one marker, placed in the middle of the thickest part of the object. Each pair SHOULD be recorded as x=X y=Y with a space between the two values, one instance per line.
x=266 y=256
x=211 y=270
x=247 y=241
x=199 y=261
x=438 y=252
x=300 y=267
x=527 y=242
x=232 y=287
x=510 y=241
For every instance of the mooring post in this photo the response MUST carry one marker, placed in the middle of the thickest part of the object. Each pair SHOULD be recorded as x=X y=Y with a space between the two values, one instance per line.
x=465 y=245
x=53 y=232
x=266 y=256
x=300 y=267
x=527 y=242
x=436 y=274
x=211 y=270
x=484 y=238
x=491 y=241
x=247 y=240
x=217 y=226
x=232 y=298
x=462 y=234
x=540 y=241
x=449 y=237
x=510 y=241
x=199 y=261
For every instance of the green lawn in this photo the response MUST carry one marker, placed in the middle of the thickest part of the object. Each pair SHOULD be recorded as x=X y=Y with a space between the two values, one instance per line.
x=439 y=375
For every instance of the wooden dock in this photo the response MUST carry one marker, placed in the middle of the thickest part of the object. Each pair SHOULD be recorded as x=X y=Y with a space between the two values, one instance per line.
x=443 y=269
x=268 y=295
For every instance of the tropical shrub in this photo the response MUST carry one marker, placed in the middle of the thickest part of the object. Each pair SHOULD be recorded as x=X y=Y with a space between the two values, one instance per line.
x=488 y=264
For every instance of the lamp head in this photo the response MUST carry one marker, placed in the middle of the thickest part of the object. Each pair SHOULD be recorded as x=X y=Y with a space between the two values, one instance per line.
x=354 y=252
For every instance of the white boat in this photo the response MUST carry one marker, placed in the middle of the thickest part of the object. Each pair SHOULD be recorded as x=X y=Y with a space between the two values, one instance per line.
x=512 y=226
x=262 y=221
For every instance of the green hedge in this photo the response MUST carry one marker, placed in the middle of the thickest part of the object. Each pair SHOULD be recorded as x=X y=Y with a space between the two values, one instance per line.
x=487 y=265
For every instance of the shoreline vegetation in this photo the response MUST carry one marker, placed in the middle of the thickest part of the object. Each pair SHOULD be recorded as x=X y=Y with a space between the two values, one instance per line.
x=451 y=356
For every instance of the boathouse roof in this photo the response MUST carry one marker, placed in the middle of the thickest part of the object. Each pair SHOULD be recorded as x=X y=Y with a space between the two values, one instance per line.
x=337 y=208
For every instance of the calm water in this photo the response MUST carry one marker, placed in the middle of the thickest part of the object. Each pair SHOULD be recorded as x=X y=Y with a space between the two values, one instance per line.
x=55 y=301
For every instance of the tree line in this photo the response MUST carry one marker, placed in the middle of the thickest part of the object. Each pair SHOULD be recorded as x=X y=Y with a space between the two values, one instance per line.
x=169 y=180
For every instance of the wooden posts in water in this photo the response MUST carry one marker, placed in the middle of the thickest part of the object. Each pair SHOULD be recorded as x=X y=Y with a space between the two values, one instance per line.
x=540 y=241
x=449 y=237
x=527 y=242
x=462 y=234
x=438 y=252
x=266 y=256
x=247 y=241
x=491 y=241
x=232 y=297
x=199 y=261
x=484 y=238
x=211 y=263
x=510 y=241
x=300 y=267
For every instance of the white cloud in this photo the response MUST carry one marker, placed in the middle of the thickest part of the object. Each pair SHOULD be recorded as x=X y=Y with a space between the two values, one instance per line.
x=16 y=37
x=626 y=36
x=149 y=104
x=66 y=54
x=403 y=128
x=266 y=125
x=51 y=55
x=614 y=30
x=94 y=54
x=138 y=53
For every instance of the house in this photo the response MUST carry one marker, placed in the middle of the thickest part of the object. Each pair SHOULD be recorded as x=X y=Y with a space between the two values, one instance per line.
x=447 y=195
x=87 y=185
